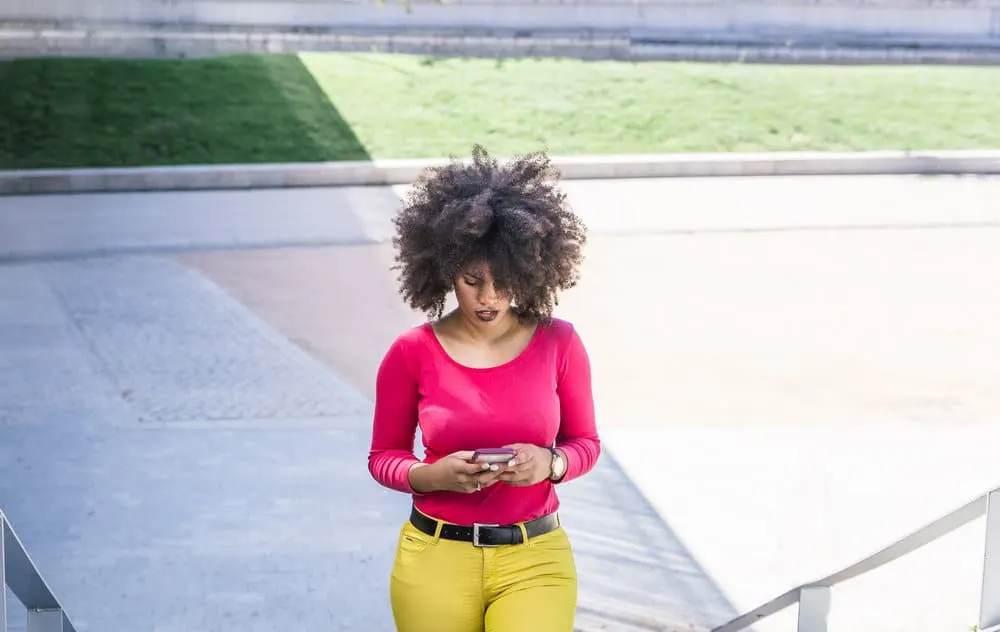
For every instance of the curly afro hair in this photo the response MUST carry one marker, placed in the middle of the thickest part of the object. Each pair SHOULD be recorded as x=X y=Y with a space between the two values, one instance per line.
x=510 y=217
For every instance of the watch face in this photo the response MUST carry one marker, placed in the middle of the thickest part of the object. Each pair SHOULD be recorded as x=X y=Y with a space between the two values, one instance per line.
x=558 y=466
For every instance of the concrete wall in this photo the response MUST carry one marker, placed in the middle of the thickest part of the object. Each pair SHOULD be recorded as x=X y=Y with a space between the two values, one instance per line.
x=973 y=20
x=824 y=31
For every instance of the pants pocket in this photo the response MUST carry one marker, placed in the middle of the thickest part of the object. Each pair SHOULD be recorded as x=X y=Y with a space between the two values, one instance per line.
x=555 y=541
x=412 y=541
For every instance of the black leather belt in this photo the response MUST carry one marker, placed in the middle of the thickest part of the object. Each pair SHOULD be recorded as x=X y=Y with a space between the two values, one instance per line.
x=486 y=535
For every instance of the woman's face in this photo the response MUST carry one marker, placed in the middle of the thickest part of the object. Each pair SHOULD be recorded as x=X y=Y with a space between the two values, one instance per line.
x=477 y=298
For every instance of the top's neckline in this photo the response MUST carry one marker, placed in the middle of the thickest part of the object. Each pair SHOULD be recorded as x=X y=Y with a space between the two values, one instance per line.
x=535 y=335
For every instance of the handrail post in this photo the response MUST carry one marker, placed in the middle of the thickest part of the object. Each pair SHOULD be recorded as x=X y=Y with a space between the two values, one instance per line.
x=989 y=609
x=45 y=621
x=814 y=606
x=3 y=575
x=19 y=573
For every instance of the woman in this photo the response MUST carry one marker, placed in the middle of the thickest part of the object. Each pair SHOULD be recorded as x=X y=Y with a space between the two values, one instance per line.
x=483 y=548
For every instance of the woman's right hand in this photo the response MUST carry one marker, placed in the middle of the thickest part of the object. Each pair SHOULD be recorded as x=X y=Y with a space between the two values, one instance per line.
x=454 y=473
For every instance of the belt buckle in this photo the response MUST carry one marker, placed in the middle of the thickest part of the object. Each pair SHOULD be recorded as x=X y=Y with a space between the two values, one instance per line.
x=475 y=535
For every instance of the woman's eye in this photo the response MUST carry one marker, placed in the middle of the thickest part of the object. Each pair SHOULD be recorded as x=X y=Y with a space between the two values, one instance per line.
x=470 y=282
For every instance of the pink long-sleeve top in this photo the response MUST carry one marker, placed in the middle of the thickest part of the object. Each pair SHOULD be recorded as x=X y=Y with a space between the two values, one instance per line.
x=543 y=397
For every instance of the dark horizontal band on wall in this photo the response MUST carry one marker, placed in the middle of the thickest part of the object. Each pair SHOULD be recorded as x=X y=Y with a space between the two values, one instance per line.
x=28 y=40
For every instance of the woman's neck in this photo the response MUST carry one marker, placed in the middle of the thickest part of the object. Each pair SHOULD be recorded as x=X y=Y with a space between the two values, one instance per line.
x=470 y=331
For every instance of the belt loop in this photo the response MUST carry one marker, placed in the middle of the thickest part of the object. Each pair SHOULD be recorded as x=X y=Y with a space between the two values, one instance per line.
x=524 y=533
x=438 y=525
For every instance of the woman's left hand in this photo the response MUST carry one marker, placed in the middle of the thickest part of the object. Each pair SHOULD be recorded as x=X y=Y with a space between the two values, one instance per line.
x=531 y=465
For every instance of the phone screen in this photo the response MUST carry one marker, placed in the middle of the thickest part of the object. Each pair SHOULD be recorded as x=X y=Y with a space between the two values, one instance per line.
x=493 y=455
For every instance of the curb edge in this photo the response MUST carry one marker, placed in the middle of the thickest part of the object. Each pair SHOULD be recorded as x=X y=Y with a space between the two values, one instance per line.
x=405 y=171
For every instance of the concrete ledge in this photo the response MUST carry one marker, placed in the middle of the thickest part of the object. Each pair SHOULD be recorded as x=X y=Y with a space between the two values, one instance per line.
x=405 y=171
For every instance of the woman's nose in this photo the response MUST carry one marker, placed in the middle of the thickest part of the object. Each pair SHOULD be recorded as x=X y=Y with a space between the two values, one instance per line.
x=487 y=294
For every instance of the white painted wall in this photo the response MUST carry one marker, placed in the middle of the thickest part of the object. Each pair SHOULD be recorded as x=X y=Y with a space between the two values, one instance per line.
x=974 y=19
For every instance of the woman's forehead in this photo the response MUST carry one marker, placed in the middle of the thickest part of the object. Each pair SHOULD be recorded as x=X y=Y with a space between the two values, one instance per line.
x=480 y=270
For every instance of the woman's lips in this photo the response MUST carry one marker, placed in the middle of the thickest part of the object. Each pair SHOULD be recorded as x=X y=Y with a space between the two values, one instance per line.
x=486 y=314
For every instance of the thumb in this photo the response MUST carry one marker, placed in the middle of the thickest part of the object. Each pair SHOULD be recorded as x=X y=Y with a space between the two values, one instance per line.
x=466 y=463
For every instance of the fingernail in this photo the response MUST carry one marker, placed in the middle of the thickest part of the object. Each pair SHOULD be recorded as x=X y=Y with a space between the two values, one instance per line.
x=494 y=467
x=512 y=463
x=486 y=466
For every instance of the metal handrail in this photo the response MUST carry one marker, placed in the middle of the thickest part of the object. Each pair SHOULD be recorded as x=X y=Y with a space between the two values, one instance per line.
x=813 y=598
x=19 y=573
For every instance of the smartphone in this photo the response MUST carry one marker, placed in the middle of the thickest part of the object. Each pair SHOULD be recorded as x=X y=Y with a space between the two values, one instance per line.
x=493 y=455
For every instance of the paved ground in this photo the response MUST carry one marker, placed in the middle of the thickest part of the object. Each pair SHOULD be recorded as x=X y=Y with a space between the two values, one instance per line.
x=185 y=382
x=775 y=507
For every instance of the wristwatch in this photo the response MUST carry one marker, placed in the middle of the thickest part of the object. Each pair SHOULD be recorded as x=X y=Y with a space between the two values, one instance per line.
x=558 y=465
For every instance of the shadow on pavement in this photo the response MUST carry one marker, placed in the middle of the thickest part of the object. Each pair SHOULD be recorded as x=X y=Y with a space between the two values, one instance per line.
x=635 y=574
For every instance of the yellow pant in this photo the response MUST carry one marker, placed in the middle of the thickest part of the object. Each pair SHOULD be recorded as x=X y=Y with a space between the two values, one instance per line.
x=442 y=585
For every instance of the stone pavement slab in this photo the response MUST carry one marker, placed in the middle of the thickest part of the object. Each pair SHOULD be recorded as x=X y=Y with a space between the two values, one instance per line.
x=794 y=328
x=249 y=528
x=179 y=349
x=772 y=508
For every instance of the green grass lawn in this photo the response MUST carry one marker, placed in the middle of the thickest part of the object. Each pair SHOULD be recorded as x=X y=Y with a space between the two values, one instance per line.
x=339 y=106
